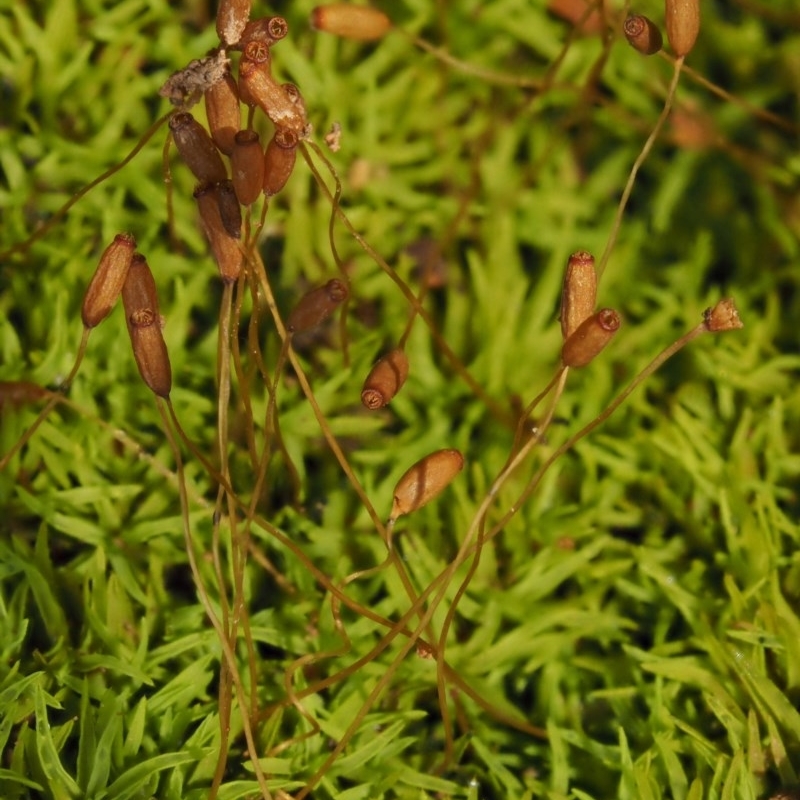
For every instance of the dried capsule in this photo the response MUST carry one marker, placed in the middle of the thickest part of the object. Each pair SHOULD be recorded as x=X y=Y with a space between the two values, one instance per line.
x=268 y=29
x=385 y=379
x=197 y=148
x=591 y=336
x=642 y=34
x=232 y=17
x=316 y=306
x=579 y=293
x=574 y=12
x=108 y=279
x=17 y=393
x=224 y=112
x=426 y=479
x=258 y=87
x=230 y=211
x=260 y=60
x=139 y=289
x=247 y=166
x=723 y=317
x=279 y=160
x=144 y=327
x=682 y=21
x=224 y=247
x=351 y=21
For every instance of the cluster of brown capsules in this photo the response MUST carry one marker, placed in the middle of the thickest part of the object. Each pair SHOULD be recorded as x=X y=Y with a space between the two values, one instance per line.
x=219 y=199
x=122 y=270
x=585 y=331
x=682 y=21
x=254 y=169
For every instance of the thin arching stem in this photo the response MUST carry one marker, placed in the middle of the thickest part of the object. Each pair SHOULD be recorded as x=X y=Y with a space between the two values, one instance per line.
x=61 y=212
x=640 y=159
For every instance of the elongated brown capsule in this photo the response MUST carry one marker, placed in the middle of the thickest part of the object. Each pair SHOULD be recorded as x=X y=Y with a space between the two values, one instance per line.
x=279 y=160
x=316 y=306
x=642 y=34
x=385 y=379
x=258 y=87
x=579 y=292
x=108 y=279
x=682 y=21
x=17 y=393
x=230 y=211
x=590 y=337
x=247 y=166
x=196 y=148
x=224 y=247
x=232 y=17
x=269 y=29
x=351 y=21
x=426 y=479
x=224 y=112
x=723 y=317
x=140 y=299
x=256 y=58
x=139 y=289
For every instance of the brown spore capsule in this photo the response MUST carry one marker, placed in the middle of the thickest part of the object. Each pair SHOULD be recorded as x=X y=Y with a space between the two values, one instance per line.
x=17 y=393
x=279 y=160
x=385 y=379
x=230 y=211
x=224 y=112
x=247 y=166
x=316 y=306
x=108 y=280
x=425 y=480
x=590 y=337
x=682 y=21
x=579 y=292
x=574 y=12
x=139 y=290
x=268 y=29
x=232 y=17
x=351 y=21
x=722 y=317
x=256 y=58
x=642 y=34
x=224 y=247
x=258 y=87
x=196 y=148
x=140 y=299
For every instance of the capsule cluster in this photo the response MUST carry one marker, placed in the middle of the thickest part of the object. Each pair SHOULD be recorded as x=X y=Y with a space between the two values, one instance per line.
x=231 y=164
x=585 y=331
x=682 y=21
x=123 y=271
